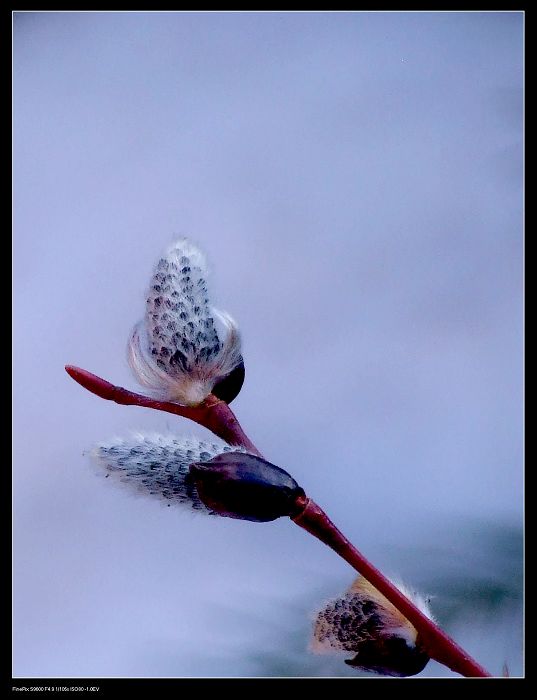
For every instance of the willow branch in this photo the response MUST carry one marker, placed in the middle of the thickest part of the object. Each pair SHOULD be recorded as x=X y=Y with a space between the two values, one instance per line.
x=216 y=415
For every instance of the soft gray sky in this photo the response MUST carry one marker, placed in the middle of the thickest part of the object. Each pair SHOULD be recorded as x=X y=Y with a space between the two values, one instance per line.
x=356 y=181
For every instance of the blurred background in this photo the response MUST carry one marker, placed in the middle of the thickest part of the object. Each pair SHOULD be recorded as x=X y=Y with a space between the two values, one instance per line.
x=356 y=182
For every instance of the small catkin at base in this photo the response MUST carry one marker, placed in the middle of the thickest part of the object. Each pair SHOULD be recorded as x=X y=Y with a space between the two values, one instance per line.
x=364 y=622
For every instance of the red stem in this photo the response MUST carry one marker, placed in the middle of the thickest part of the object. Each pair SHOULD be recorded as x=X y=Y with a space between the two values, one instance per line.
x=216 y=415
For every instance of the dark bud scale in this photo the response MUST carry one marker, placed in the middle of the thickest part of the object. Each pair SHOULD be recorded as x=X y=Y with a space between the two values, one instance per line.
x=242 y=486
x=229 y=387
x=390 y=656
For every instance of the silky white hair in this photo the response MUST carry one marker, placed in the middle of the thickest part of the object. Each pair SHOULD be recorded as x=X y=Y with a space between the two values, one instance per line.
x=158 y=465
x=183 y=346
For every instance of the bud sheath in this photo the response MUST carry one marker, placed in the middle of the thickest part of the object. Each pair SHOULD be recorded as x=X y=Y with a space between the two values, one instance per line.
x=242 y=486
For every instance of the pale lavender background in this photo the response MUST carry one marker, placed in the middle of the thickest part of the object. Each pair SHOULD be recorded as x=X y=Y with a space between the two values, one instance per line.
x=356 y=180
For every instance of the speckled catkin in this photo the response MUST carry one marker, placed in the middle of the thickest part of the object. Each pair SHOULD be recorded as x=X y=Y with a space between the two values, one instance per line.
x=361 y=615
x=184 y=346
x=158 y=465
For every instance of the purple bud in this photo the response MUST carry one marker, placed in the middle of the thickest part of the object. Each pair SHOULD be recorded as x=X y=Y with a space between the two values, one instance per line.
x=242 y=486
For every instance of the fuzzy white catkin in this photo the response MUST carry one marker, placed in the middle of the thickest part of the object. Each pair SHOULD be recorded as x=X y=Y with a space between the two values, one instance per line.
x=158 y=465
x=184 y=346
x=362 y=613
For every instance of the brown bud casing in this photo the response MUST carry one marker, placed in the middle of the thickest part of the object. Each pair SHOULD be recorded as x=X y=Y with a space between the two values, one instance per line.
x=228 y=388
x=242 y=486
x=390 y=656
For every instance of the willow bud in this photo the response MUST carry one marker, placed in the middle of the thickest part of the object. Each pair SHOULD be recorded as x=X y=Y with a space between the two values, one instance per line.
x=246 y=487
x=363 y=621
x=158 y=465
x=184 y=349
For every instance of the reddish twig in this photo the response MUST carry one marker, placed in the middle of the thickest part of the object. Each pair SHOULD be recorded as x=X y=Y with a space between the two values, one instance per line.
x=216 y=415
x=213 y=413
